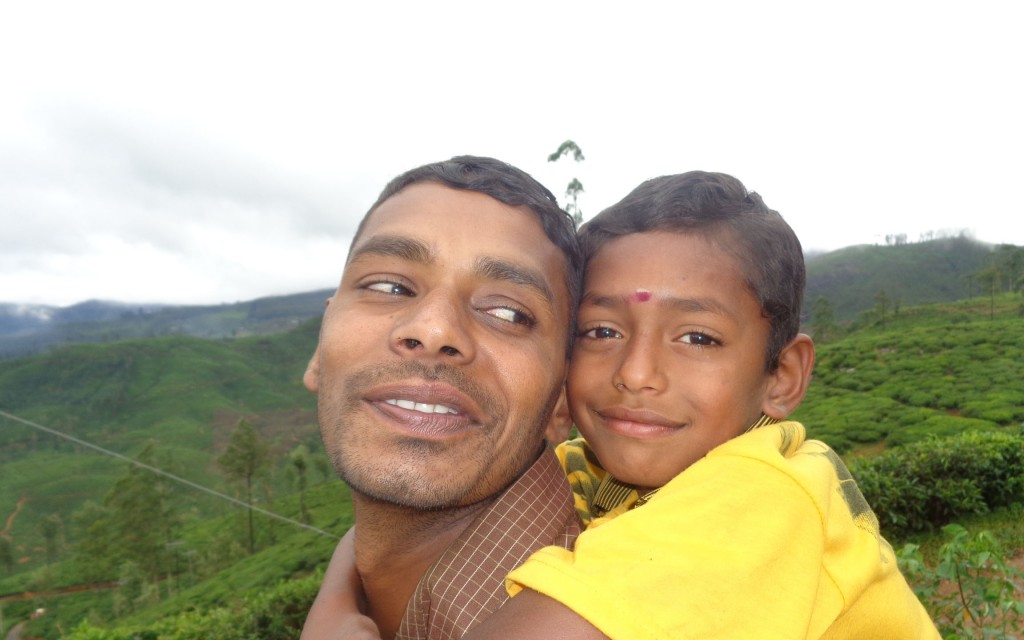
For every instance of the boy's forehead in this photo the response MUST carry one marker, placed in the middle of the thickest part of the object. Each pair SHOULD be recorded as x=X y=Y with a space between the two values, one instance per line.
x=684 y=270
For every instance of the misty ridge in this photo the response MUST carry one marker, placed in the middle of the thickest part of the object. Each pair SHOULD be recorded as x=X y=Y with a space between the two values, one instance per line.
x=934 y=269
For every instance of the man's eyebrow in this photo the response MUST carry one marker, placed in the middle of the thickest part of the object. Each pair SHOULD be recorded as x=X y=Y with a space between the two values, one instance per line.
x=394 y=247
x=690 y=305
x=498 y=269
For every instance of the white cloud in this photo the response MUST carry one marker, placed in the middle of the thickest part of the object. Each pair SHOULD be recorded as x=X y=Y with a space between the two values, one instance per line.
x=205 y=152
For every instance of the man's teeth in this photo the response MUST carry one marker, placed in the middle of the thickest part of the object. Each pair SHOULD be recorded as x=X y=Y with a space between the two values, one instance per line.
x=422 y=407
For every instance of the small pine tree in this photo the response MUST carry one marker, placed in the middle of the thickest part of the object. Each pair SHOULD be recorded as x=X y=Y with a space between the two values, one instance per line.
x=575 y=187
x=246 y=458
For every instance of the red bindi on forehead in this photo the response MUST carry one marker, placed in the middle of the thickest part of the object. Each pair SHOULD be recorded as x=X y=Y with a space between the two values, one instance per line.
x=641 y=295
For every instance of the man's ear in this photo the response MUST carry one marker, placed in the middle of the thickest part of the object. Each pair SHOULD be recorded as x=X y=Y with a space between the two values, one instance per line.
x=560 y=421
x=788 y=384
x=312 y=376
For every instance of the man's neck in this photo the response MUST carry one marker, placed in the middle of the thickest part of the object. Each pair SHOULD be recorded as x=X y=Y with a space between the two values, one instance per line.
x=394 y=546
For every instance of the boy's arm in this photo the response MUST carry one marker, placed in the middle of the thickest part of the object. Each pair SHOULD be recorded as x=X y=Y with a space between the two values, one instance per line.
x=532 y=615
x=336 y=612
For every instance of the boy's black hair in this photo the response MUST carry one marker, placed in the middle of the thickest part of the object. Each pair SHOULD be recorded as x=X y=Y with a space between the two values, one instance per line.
x=719 y=208
x=508 y=185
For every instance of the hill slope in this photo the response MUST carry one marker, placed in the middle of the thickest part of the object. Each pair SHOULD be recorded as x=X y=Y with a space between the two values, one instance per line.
x=181 y=395
x=29 y=330
x=909 y=274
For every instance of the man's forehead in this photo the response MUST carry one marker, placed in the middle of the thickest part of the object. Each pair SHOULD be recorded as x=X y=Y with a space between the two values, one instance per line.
x=425 y=209
x=426 y=221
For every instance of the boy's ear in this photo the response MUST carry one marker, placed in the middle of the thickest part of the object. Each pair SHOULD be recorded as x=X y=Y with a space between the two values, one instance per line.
x=788 y=384
x=560 y=422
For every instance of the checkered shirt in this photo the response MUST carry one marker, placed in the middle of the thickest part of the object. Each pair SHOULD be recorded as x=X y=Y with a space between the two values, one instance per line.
x=467 y=583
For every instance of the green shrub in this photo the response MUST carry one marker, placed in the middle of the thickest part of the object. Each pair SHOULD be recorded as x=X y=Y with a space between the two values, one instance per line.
x=972 y=592
x=924 y=485
x=275 y=614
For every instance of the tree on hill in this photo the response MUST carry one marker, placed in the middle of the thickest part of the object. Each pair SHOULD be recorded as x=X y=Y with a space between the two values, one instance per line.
x=575 y=187
x=299 y=459
x=882 y=303
x=989 y=281
x=246 y=458
x=95 y=548
x=142 y=519
x=52 y=527
x=823 y=320
x=1008 y=260
x=6 y=554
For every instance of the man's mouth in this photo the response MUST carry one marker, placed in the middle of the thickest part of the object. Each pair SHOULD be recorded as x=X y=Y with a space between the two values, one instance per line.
x=421 y=407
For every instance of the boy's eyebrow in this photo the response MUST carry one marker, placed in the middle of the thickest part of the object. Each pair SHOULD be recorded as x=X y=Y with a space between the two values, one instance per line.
x=690 y=305
x=394 y=247
x=498 y=269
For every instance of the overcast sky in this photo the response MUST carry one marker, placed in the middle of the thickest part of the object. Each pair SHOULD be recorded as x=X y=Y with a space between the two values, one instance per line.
x=206 y=152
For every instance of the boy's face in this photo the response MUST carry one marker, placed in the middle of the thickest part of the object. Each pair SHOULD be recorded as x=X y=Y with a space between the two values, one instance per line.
x=670 y=356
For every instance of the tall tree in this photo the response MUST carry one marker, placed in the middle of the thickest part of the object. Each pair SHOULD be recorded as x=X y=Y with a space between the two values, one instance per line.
x=51 y=528
x=575 y=187
x=6 y=554
x=882 y=305
x=96 y=549
x=299 y=459
x=989 y=280
x=140 y=517
x=246 y=458
x=823 y=319
x=1008 y=259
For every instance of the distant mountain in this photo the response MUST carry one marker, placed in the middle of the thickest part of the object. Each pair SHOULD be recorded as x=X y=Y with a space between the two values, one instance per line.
x=32 y=329
x=851 y=279
x=909 y=274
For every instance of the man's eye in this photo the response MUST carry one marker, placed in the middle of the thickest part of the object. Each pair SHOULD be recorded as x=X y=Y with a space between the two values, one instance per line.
x=699 y=339
x=508 y=314
x=391 y=288
x=600 y=333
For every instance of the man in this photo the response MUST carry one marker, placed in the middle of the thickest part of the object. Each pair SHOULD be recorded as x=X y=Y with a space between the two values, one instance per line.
x=441 y=360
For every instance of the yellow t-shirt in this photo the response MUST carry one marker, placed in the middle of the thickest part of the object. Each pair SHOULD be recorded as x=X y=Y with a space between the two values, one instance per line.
x=768 y=536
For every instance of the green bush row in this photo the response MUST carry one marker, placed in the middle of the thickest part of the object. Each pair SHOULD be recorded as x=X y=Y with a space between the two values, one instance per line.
x=275 y=614
x=924 y=485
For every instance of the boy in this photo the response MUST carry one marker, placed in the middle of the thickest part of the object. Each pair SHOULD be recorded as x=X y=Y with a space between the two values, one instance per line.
x=687 y=357
x=708 y=516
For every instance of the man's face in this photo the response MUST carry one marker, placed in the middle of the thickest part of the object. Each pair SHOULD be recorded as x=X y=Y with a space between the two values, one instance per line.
x=442 y=352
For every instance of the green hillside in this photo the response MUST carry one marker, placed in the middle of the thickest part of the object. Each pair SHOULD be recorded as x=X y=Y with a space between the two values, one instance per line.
x=931 y=370
x=181 y=395
x=910 y=274
x=920 y=372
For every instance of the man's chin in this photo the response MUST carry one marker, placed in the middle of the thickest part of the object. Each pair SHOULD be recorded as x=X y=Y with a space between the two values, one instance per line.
x=409 y=490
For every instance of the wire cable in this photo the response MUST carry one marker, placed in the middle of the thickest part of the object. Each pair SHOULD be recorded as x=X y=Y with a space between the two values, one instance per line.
x=166 y=474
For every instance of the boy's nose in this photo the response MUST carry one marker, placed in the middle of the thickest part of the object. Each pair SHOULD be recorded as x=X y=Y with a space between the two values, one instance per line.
x=640 y=368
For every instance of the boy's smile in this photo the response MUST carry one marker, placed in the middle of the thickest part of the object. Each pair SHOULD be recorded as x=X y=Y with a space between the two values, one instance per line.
x=670 y=356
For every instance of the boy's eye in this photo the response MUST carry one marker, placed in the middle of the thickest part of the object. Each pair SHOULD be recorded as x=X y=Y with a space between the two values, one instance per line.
x=391 y=288
x=698 y=339
x=600 y=333
x=509 y=314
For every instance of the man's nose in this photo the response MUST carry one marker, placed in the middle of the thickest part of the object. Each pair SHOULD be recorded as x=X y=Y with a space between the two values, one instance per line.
x=436 y=325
